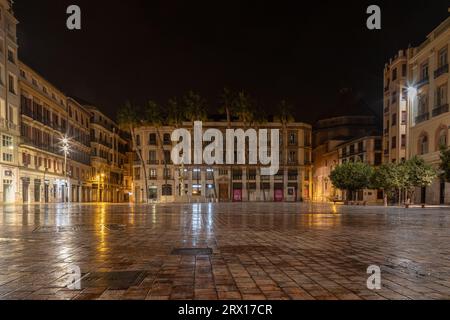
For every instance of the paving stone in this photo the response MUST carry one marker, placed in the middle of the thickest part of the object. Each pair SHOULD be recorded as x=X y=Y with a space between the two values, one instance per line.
x=234 y=251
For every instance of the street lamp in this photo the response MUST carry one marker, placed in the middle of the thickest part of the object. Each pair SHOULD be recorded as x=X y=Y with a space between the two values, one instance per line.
x=65 y=143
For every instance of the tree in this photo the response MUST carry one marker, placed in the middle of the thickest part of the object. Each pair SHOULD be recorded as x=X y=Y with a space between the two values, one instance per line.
x=389 y=178
x=351 y=177
x=194 y=107
x=154 y=117
x=228 y=105
x=246 y=112
x=128 y=119
x=175 y=114
x=284 y=116
x=420 y=174
x=445 y=163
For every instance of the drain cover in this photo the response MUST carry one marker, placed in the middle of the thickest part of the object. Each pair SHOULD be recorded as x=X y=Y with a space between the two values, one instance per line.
x=192 y=252
x=114 y=227
x=115 y=280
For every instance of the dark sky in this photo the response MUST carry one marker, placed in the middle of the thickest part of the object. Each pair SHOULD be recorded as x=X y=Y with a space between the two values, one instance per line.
x=275 y=50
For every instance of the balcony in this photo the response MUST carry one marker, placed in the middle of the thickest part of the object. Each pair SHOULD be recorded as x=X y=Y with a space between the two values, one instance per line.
x=423 y=117
x=440 y=71
x=439 y=110
x=423 y=82
x=152 y=162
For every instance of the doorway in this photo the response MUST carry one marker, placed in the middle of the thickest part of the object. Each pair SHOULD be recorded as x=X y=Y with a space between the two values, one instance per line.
x=442 y=192
x=8 y=191
x=223 y=192
x=37 y=190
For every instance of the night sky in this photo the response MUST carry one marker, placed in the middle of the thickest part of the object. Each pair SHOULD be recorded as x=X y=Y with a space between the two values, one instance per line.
x=139 y=50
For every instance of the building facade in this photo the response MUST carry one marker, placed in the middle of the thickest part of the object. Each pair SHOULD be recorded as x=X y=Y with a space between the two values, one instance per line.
x=198 y=183
x=108 y=156
x=416 y=108
x=430 y=117
x=44 y=123
x=9 y=106
x=395 y=109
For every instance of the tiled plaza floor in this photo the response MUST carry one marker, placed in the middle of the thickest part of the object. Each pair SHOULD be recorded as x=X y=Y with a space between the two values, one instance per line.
x=258 y=251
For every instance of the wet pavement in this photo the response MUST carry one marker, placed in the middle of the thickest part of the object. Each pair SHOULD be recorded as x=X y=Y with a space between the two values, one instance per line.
x=223 y=251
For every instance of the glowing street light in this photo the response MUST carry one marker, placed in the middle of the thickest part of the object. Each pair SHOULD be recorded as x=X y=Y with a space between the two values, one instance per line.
x=66 y=149
x=412 y=92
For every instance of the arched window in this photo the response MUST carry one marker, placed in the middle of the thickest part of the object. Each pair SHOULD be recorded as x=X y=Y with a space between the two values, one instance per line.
x=441 y=137
x=423 y=144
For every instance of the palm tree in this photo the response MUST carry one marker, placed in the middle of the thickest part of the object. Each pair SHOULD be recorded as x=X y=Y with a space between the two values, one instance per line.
x=227 y=100
x=284 y=116
x=155 y=118
x=228 y=107
x=194 y=107
x=128 y=120
x=246 y=112
x=175 y=115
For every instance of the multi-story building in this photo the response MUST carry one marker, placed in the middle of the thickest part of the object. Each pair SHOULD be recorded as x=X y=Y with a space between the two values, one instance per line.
x=108 y=156
x=367 y=150
x=167 y=182
x=428 y=100
x=9 y=106
x=395 y=110
x=333 y=135
x=44 y=124
x=79 y=165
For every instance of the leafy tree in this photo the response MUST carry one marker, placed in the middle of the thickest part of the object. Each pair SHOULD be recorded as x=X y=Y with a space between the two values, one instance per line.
x=351 y=177
x=420 y=174
x=445 y=163
x=128 y=119
x=389 y=177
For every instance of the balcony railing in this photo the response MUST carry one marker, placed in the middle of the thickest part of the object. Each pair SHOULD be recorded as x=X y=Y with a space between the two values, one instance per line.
x=439 y=110
x=153 y=162
x=440 y=71
x=423 y=117
x=423 y=82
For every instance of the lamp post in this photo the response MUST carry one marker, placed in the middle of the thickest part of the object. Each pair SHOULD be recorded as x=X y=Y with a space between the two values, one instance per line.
x=66 y=149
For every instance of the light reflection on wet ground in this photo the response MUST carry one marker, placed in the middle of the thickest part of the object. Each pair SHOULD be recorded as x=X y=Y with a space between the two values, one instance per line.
x=260 y=251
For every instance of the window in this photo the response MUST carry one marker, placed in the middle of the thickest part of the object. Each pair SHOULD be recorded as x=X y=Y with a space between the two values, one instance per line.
x=394 y=97
x=7 y=157
x=423 y=144
x=152 y=157
x=394 y=119
x=138 y=140
x=394 y=142
x=152 y=139
x=137 y=173
x=167 y=139
x=12 y=84
x=441 y=138
x=404 y=70
x=378 y=159
x=404 y=117
x=11 y=55
x=167 y=190
x=394 y=74
x=424 y=71
x=403 y=141
x=152 y=174
x=441 y=95
x=292 y=138
x=292 y=158
x=6 y=141
x=442 y=58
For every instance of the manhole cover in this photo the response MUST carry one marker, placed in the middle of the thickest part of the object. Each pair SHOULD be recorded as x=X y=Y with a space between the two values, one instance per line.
x=114 y=227
x=116 y=280
x=192 y=252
